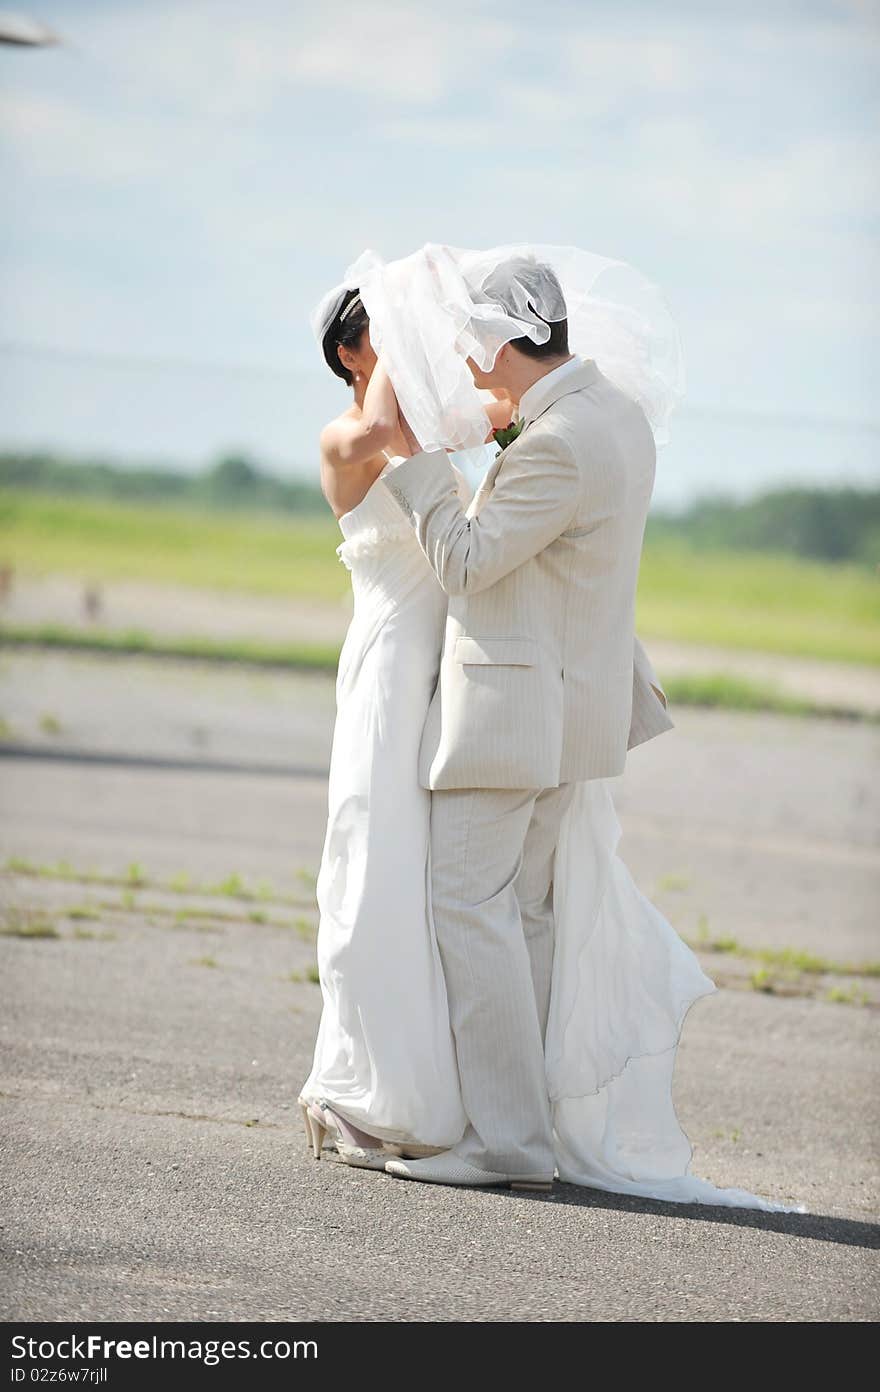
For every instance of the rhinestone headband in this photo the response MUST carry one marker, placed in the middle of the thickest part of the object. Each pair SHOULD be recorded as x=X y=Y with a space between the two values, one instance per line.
x=349 y=307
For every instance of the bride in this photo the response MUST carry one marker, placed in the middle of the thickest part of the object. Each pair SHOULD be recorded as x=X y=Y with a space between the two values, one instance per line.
x=384 y=1078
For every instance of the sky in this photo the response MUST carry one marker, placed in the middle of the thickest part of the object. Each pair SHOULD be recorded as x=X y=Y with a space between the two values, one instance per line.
x=183 y=180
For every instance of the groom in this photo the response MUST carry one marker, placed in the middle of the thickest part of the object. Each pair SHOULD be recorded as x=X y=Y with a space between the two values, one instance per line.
x=542 y=683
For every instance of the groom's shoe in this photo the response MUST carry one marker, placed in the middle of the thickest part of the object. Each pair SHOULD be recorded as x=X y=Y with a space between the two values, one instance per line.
x=449 y=1168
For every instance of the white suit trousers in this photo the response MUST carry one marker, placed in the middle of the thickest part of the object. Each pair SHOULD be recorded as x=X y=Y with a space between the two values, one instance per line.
x=492 y=855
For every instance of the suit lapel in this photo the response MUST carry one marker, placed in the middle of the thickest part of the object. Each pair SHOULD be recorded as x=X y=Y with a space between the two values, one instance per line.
x=576 y=380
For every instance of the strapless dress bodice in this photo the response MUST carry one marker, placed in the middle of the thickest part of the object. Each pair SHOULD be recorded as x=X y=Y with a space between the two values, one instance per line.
x=375 y=524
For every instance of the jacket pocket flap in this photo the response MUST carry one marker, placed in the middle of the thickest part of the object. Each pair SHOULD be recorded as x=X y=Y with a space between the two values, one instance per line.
x=508 y=652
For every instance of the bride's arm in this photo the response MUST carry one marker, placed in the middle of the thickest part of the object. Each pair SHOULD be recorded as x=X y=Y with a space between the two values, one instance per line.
x=349 y=442
x=351 y=448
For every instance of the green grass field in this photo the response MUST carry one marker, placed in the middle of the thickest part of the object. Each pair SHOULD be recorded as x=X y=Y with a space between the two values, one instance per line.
x=726 y=598
x=750 y=599
x=104 y=540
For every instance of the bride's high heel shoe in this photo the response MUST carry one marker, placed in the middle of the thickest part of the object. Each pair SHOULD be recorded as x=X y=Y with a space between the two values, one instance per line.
x=316 y=1129
x=354 y=1146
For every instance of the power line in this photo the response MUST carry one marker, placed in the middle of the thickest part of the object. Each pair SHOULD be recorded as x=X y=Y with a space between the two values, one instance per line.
x=164 y=364
x=209 y=367
x=795 y=421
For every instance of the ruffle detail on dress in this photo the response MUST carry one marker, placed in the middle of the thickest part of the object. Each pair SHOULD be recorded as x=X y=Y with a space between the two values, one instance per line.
x=373 y=540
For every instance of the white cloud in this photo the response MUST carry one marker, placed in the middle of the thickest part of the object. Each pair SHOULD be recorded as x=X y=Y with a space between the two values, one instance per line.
x=610 y=69
x=257 y=150
x=440 y=132
x=217 y=58
x=398 y=53
x=60 y=138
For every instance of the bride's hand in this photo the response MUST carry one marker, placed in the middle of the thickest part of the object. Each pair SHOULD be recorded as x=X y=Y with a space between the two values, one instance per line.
x=500 y=413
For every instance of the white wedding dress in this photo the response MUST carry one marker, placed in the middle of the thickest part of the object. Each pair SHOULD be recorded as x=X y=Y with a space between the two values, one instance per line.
x=623 y=980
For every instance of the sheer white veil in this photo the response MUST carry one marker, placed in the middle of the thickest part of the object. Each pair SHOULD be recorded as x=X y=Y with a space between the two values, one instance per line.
x=431 y=311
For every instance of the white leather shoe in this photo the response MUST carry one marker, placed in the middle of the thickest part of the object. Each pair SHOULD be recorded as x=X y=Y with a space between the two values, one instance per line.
x=449 y=1168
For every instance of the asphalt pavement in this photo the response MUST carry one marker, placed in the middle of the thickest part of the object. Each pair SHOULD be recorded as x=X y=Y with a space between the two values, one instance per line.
x=159 y=1020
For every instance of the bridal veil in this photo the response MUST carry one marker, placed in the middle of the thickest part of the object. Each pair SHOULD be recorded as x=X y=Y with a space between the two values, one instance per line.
x=431 y=311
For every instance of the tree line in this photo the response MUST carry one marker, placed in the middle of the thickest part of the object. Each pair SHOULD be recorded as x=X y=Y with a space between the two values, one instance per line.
x=233 y=481
x=829 y=524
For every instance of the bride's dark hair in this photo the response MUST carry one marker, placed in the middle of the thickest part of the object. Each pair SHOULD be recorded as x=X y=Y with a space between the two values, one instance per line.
x=345 y=330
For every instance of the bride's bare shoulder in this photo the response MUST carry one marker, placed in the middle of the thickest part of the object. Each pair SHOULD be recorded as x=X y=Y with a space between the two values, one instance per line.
x=338 y=429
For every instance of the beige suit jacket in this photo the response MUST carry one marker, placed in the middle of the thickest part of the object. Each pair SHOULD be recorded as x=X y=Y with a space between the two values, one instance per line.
x=542 y=678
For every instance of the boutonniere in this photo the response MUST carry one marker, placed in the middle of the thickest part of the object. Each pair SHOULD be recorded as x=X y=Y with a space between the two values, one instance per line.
x=507 y=434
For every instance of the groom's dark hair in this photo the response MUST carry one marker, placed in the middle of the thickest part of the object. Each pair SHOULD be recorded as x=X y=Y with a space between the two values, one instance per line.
x=556 y=345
